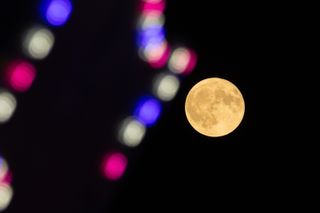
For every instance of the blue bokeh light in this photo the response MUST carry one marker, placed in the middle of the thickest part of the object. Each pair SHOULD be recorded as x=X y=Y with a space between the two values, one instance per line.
x=148 y=110
x=57 y=12
x=149 y=35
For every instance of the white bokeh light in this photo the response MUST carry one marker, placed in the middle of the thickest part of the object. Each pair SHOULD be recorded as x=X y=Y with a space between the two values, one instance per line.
x=151 y=19
x=179 y=60
x=6 y=194
x=131 y=132
x=8 y=104
x=166 y=86
x=38 y=42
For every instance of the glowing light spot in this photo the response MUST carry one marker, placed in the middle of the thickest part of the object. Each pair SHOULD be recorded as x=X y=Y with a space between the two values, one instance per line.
x=166 y=87
x=131 y=132
x=3 y=169
x=38 y=42
x=182 y=61
x=114 y=165
x=156 y=54
x=57 y=12
x=6 y=194
x=152 y=19
x=153 y=5
x=148 y=111
x=20 y=75
x=154 y=35
x=8 y=105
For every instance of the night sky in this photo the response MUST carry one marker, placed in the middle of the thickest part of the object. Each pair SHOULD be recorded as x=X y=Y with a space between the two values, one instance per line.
x=91 y=81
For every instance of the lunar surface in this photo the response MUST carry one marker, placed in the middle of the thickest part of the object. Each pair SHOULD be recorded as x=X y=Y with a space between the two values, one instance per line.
x=214 y=107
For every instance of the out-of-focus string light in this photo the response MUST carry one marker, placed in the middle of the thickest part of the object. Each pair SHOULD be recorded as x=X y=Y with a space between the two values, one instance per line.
x=57 y=12
x=148 y=110
x=151 y=19
x=6 y=194
x=151 y=39
x=8 y=104
x=4 y=169
x=6 y=191
x=152 y=5
x=182 y=61
x=166 y=86
x=114 y=165
x=20 y=75
x=131 y=132
x=38 y=42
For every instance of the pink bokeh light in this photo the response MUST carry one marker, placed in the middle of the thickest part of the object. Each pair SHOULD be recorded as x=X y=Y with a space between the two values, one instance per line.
x=160 y=62
x=114 y=165
x=20 y=75
x=149 y=6
x=192 y=63
x=7 y=179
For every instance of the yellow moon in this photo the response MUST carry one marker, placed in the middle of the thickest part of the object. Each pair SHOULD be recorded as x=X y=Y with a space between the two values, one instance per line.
x=214 y=107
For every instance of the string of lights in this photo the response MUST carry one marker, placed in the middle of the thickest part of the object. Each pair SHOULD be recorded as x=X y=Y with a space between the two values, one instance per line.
x=19 y=74
x=157 y=52
x=153 y=48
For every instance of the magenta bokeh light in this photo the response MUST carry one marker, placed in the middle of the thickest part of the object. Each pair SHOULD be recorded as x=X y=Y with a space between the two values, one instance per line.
x=149 y=6
x=192 y=63
x=7 y=179
x=114 y=165
x=20 y=75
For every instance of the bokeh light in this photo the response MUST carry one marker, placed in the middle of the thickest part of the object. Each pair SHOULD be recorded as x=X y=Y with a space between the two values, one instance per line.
x=131 y=132
x=155 y=53
x=152 y=19
x=182 y=61
x=20 y=75
x=6 y=194
x=151 y=39
x=114 y=165
x=8 y=104
x=38 y=42
x=148 y=110
x=57 y=12
x=152 y=5
x=166 y=86
x=4 y=170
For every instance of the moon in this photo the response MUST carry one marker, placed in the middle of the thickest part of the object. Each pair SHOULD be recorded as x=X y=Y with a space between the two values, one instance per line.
x=214 y=107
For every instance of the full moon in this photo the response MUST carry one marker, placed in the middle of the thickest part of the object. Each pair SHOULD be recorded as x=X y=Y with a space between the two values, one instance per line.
x=214 y=107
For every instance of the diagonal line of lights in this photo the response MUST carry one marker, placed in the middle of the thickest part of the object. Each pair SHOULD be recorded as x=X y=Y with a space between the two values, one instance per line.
x=19 y=74
x=155 y=50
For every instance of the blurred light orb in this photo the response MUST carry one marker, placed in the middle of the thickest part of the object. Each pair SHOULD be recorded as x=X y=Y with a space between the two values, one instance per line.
x=182 y=61
x=3 y=169
x=131 y=132
x=57 y=12
x=153 y=5
x=166 y=86
x=38 y=43
x=156 y=54
x=8 y=104
x=6 y=194
x=152 y=19
x=20 y=75
x=151 y=36
x=114 y=166
x=148 y=111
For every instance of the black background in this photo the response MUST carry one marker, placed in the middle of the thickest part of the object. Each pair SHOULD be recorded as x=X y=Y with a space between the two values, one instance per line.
x=90 y=82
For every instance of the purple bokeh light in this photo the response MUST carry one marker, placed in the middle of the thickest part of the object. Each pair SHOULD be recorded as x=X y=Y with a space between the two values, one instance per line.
x=57 y=12
x=148 y=111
